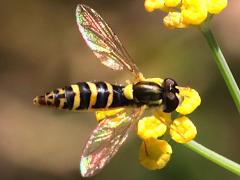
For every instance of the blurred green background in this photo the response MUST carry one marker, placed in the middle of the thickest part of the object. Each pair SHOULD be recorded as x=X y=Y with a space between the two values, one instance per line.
x=41 y=49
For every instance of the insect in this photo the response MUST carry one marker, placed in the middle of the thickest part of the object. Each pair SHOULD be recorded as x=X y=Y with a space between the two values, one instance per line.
x=123 y=105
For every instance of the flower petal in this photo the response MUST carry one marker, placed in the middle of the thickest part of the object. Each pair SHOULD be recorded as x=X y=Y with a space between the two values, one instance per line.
x=182 y=130
x=151 y=127
x=174 y=20
x=189 y=100
x=151 y=5
x=172 y=3
x=194 y=11
x=154 y=153
x=216 y=6
x=165 y=118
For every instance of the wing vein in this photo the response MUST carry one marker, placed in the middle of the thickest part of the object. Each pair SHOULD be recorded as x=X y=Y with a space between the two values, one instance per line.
x=106 y=139
x=103 y=41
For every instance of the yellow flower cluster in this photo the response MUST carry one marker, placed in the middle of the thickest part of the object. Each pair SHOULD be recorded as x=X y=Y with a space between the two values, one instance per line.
x=155 y=152
x=182 y=13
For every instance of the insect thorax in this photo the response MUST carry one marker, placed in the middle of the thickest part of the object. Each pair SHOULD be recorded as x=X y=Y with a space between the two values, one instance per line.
x=152 y=92
x=149 y=93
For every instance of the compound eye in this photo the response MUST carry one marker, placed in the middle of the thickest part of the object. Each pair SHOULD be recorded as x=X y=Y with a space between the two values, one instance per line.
x=170 y=101
x=170 y=85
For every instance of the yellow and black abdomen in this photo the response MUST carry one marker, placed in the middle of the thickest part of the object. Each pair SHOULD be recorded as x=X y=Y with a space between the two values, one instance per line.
x=85 y=96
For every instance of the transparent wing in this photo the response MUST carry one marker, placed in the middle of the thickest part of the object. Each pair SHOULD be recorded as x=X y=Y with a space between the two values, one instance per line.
x=102 y=41
x=106 y=139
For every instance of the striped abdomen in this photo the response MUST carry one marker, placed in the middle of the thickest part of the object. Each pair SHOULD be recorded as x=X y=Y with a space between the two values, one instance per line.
x=84 y=96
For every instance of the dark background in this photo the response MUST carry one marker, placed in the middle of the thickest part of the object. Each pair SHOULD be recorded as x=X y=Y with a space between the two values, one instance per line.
x=41 y=49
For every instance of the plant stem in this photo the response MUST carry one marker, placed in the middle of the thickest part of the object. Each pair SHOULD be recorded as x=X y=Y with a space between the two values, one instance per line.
x=214 y=157
x=221 y=63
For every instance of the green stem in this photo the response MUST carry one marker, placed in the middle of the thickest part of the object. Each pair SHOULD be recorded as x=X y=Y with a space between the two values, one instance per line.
x=214 y=157
x=222 y=64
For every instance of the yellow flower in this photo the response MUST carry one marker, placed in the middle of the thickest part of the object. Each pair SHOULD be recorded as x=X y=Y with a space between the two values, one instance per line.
x=151 y=127
x=154 y=153
x=216 y=6
x=182 y=13
x=174 y=20
x=189 y=100
x=182 y=130
x=194 y=11
x=172 y=3
x=151 y=5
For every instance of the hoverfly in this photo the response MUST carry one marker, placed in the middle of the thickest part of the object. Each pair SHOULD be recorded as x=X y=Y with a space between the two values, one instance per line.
x=128 y=102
